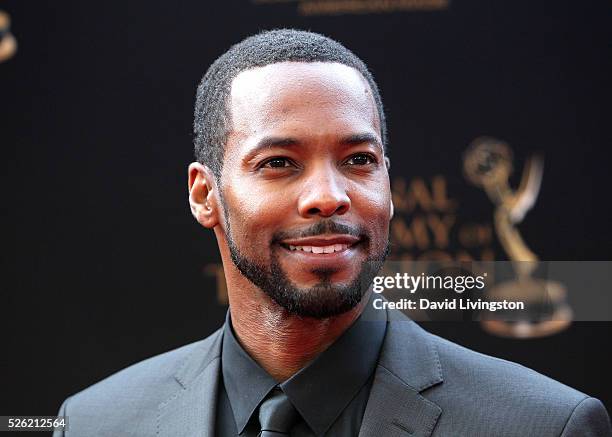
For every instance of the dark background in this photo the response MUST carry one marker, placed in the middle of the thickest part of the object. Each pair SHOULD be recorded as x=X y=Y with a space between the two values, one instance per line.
x=102 y=263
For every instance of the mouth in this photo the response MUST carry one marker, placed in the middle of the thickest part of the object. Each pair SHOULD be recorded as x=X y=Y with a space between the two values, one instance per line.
x=322 y=244
x=321 y=249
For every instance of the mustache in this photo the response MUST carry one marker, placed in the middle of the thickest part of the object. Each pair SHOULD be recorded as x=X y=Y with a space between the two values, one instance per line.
x=325 y=226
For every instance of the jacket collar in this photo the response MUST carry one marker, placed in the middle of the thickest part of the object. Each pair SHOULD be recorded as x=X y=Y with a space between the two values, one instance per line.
x=408 y=351
x=192 y=410
x=409 y=364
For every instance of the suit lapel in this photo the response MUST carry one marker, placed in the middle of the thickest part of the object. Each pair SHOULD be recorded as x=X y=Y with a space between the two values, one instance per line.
x=191 y=411
x=395 y=409
x=408 y=365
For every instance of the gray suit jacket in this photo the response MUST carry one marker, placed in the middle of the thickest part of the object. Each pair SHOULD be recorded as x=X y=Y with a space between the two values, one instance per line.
x=423 y=386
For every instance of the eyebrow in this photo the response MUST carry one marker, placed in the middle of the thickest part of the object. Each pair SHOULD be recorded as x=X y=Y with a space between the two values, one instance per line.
x=362 y=138
x=351 y=140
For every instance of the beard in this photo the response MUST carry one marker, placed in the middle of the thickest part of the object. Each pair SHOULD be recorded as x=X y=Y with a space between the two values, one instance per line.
x=323 y=300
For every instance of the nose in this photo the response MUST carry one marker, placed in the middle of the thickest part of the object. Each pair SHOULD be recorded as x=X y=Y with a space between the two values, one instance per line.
x=324 y=194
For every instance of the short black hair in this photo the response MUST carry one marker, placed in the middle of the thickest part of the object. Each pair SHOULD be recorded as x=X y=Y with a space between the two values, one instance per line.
x=212 y=121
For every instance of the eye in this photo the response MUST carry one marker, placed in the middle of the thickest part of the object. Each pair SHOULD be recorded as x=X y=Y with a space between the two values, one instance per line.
x=361 y=159
x=276 y=162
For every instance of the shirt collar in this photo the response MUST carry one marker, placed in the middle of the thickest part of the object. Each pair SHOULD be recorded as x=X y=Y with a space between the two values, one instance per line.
x=246 y=382
x=330 y=380
x=324 y=388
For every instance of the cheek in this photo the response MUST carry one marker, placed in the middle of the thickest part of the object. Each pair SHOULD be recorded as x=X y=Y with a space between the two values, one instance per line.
x=373 y=204
x=254 y=212
x=373 y=207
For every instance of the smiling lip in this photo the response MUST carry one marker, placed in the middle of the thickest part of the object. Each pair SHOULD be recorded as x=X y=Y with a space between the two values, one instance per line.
x=321 y=244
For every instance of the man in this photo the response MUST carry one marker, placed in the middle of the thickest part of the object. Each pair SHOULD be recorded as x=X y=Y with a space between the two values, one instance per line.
x=292 y=177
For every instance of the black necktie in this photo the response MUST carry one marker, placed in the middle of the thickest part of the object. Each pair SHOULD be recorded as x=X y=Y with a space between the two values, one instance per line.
x=277 y=415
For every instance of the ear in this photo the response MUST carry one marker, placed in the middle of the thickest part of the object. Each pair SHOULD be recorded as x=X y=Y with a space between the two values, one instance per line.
x=391 y=208
x=203 y=195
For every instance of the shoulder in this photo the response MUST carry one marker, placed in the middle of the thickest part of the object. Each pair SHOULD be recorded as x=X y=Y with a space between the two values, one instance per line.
x=458 y=368
x=465 y=367
x=483 y=391
x=147 y=376
x=132 y=395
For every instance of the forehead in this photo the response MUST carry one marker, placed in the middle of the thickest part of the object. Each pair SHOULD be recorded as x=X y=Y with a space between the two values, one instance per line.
x=303 y=98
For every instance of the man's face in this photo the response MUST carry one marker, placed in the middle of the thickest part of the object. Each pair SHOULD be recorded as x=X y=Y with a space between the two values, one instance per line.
x=304 y=186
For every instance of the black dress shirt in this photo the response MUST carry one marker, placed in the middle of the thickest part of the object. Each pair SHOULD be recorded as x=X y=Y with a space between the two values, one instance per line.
x=330 y=393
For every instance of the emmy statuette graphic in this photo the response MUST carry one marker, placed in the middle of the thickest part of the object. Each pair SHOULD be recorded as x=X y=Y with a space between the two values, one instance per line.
x=488 y=165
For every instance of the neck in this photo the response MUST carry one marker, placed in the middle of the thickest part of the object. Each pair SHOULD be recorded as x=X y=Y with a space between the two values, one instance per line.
x=280 y=342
